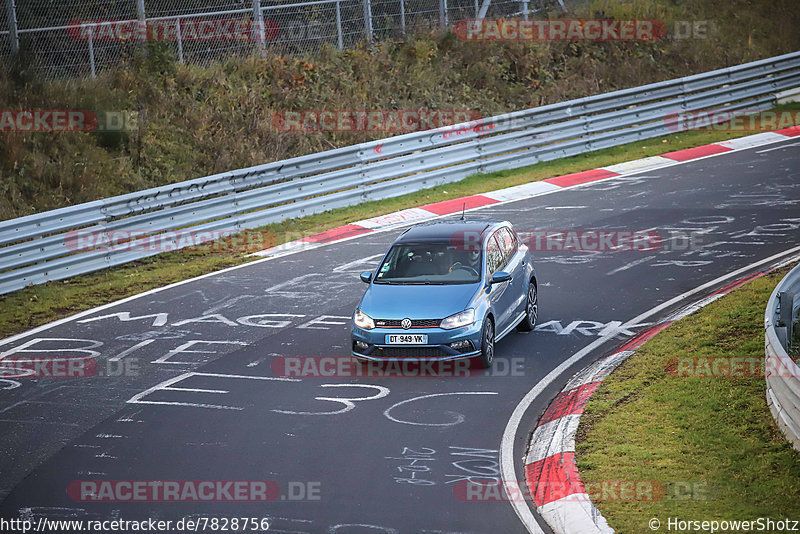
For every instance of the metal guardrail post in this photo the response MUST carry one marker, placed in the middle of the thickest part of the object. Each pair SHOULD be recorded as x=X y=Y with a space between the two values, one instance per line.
x=13 y=35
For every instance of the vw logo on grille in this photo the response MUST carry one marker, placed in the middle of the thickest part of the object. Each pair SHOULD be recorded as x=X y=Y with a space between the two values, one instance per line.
x=406 y=323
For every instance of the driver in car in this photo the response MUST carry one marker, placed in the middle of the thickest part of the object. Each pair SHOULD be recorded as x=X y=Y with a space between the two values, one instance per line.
x=471 y=261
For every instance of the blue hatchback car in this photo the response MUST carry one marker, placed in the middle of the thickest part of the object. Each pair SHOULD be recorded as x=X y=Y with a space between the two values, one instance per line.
x=444 y=290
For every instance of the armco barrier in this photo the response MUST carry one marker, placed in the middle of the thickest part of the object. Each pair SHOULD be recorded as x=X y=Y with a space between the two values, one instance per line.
x=35 y=248
x=783 y=376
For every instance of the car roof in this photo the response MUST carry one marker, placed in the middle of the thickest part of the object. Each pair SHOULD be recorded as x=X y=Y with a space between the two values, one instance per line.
x=447 y=230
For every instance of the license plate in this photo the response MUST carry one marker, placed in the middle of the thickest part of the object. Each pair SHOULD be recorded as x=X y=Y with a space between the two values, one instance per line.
x=406 y=339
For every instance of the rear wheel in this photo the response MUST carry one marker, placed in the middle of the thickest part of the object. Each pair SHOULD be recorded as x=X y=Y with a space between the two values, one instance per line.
x=487 y=344
x=531 y=310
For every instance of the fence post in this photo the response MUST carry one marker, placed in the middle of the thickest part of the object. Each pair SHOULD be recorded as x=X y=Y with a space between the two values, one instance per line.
x=484 y=9
x=443 y=13
x=368 y=19
x=339 y=25
x=180 y=38
x=403 y=15
x=141 y=27
x=258 y=22
x=525 y=10
x=13 y=36
x=91 y=52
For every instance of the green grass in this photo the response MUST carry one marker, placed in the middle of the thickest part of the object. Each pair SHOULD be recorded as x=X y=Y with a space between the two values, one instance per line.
x=714 y=436
x=37 y=305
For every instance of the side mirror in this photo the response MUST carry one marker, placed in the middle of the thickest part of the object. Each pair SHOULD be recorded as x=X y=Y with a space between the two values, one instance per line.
x=501 y=276
x=366 y=277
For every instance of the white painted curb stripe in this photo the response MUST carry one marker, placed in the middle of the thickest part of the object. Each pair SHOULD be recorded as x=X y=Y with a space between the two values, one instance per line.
x=552 y=438
x=523 y=191
x=597 y=371
x=575 y=514
x=753 y=140
x=397 y=218
x=638 y=165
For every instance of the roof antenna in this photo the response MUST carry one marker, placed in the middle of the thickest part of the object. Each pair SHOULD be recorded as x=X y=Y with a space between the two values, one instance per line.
x=463 y=209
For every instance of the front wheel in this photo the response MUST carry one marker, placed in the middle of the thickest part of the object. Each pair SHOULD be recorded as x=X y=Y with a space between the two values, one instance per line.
x=531 y=310
x=487 y=344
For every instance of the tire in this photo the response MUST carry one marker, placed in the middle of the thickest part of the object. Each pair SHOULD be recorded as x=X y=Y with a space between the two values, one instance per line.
x=487 y=344
x=531 y=309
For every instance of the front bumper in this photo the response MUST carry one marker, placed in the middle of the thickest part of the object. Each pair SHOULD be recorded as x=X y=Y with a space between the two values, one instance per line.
x=371 y=344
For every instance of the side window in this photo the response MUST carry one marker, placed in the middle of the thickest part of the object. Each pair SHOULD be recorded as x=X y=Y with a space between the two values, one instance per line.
x=494 y=255
x=508 y=243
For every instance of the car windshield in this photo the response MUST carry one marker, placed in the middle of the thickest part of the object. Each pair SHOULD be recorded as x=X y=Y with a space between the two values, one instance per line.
x=430 y=263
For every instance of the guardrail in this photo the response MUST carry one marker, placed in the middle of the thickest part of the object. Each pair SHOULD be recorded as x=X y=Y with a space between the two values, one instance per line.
x=783 y=375
x=41 y=247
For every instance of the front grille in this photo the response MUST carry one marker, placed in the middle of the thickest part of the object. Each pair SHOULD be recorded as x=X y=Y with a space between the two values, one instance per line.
x=415 y=323
x=409 y=352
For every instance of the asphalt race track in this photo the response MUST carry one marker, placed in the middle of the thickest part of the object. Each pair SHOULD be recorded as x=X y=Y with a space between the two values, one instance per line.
x=195 y=394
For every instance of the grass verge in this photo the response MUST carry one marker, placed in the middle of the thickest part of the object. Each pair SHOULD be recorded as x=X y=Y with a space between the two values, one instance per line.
x=37 y=305
x=710 y=443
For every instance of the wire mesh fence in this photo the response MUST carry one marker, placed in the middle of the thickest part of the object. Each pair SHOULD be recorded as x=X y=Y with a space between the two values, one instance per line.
x=81 y=37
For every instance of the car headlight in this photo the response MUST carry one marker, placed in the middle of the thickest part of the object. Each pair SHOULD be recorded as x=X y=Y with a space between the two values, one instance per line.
x=363 y=320
x=464 y=318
